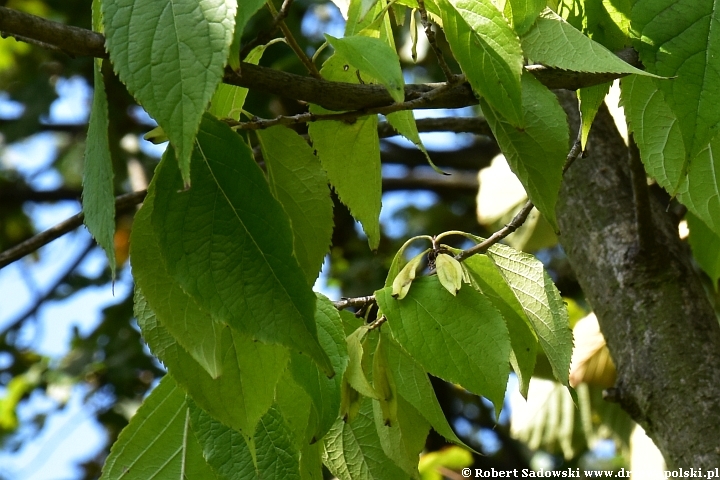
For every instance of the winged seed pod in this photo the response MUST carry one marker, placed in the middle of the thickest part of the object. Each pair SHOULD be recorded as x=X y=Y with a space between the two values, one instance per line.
x=449 y=272
x=384 y=384
x=401 y=284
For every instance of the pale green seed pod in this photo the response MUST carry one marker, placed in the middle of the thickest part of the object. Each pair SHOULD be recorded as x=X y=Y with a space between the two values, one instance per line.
x=449 y=272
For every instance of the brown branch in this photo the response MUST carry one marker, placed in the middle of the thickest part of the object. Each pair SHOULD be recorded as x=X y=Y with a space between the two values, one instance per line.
x=308 y=117
x=355 y=302
x=331 y=95
x=123 y=203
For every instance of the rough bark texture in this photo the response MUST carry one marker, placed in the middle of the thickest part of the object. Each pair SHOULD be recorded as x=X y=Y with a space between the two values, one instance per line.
x=660 y=328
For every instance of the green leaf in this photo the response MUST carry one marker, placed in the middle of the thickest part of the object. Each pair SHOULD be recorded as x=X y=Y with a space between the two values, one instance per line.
x=486 y=277
x=701 y=192
x=414 y=387
x=224 y=449
x=522 y=13
x=231 y=456
x=300 y=185
x=542 y=303
x=537 y=153
x=277 y=457
x=373 y=57
x=192 y=327
x=311 y=462
x=158 y=442
x=555 y=43
x=681 y=38
x=324 y=392
x=353 y=451
x=488 y=52
x=402 y=441
x=590 y=100
x=404 y=123
x=228 y=100
x=657 y=134
x=354 y=373
x=245 y=390
x=350 y=154
x=171 y=58
x=295 y=407
x=461 y=339
x=228 y=243
x=98 y=199
x=246 y=9
x=705 y=246
x=655 y=130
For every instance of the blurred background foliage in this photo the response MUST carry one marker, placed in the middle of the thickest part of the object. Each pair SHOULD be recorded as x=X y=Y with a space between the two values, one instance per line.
x=105 y=366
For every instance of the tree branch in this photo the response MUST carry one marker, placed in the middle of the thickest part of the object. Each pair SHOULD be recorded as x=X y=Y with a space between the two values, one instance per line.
x=123 y=203
x=331 y=95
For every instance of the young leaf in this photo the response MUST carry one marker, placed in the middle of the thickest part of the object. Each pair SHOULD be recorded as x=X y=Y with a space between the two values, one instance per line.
x=373 y=57
x=324 y=392
x=354 y=372
x=403 y=440
x=98 y=199
x=542 y=303
x=705 y=247
x=228 y=243
x=590 y=100
x=555 y=43
x=193 y=328
x=158 y=442
x=384 y=384
x=171 y=58
x=414 y=387
x=461 y=339
x=350 y=154
x=300 y=185
x=404 y=123
x=352 y=450
x=488 y=52
x=487 y=279
x=522 y=13
x=245 y=10
x=228 y=100
x=250 y=371
x=681 y=39
x=537 y=153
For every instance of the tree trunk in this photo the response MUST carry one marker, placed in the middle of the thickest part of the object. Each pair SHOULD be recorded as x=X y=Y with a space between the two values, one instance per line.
x=660 y=327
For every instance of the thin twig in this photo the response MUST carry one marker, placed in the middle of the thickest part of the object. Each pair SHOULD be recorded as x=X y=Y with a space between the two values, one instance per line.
x=264 y=37
x=433 y=42
x=354 y=302
x=514 y=224
x=122 y=203
x=50 y=291
x=308 y=117
x=312 y=69
x=377 y=323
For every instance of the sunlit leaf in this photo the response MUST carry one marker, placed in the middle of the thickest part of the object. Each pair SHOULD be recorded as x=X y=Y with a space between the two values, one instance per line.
x=171 y=58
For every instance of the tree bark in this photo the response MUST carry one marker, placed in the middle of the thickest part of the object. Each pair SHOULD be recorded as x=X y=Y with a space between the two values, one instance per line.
x=660 y=327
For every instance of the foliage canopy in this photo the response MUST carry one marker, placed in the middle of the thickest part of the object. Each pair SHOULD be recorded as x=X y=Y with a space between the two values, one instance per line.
x=267 y=379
